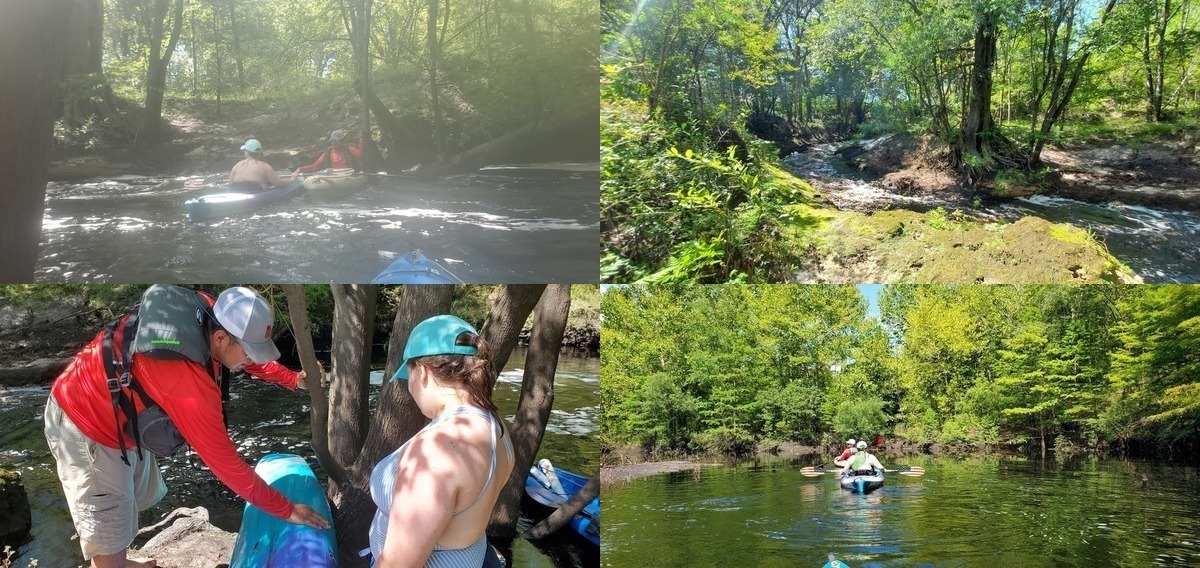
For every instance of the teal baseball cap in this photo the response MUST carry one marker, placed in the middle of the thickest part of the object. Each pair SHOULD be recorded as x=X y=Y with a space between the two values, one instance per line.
x=252 y=145
x=438 y=335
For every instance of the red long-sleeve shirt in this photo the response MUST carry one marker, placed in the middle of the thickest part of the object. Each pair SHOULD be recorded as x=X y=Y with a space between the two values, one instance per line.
x=337 y=158
x=188 y=395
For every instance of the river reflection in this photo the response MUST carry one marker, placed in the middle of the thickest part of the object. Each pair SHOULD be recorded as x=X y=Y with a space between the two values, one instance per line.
x=981 y=512
x=263 y=419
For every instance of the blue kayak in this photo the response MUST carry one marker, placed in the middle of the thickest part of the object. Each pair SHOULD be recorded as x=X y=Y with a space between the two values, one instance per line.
x=862 y=483
x=587 y=522
x=267 y=541
x=415 y=268
x=217 y=205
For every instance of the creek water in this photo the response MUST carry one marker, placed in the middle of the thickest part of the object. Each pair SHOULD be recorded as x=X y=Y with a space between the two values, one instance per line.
x=981 y=511
x=263 y=419
x=1160 y=245
x=535 y=223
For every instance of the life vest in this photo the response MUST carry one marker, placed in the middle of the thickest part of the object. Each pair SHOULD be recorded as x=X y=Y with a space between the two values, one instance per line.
x=859 y=461
x=170 y=322
x=347 y=154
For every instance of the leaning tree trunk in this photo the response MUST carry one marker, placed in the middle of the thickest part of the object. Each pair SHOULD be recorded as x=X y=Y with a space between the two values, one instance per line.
x=318 y=393
x=511 y=306
x=537 y=397
x=31 y=57
x=559 y=518
x=396 y=420
x=156 y=71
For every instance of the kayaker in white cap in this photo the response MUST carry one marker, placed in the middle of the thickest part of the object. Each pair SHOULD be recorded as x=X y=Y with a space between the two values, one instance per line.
x=842 y=459
x=253 y=174
x=146 y=386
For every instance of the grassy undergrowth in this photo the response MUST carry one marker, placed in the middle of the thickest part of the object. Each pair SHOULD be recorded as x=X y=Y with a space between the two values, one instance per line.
x=674 y=209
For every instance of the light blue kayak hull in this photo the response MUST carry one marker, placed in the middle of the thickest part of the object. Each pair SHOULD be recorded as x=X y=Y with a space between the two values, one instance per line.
x=415 y=268
x=218 y=205
x=587 y=522
x=861 y=483
x=267 y=541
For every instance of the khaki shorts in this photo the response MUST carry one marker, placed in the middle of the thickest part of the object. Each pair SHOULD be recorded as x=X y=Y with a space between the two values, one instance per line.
x=103 y=493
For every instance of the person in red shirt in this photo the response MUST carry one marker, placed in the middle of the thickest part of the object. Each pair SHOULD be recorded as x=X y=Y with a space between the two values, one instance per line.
x=338 y=155
x=844 y=458
x=106 y=475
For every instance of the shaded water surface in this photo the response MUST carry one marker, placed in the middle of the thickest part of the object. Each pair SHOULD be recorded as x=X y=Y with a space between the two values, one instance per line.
x=263 y=419
x=499 y=225
x=1160 y=245
x=976 y=512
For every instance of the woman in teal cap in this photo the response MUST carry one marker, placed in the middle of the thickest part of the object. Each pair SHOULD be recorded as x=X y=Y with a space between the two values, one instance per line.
x=252 y=174
x=435 y=494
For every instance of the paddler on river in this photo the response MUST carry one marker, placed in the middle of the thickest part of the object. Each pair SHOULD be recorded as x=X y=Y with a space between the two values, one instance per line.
x=147 y=385
x=253 y=174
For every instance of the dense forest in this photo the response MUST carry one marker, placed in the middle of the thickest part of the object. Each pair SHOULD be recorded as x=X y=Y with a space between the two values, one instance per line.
x=693 y=91
x=441 y=77
x=1036 y=368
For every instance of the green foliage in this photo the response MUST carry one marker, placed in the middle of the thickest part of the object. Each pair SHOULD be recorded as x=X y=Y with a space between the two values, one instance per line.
x=680 y=210
x=724 y=368
x=860 y=417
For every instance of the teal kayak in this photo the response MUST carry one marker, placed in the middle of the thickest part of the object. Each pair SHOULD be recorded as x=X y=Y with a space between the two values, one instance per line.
x=268 y=541
x=224 y=204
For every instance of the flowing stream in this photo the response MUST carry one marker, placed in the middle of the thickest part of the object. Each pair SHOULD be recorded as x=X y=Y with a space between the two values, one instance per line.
x=974 y=512
x=1160 y=245
x=263 y=419
x=534 y=223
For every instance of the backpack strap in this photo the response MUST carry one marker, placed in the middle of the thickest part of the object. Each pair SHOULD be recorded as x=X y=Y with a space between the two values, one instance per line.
x=119 y=378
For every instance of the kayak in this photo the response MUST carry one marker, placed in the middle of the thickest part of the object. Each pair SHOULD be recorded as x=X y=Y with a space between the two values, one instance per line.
x=217 y=205
x=862 y=483
x=587 y=522
x=415 y=268
x=267 y=541
x=324 y=189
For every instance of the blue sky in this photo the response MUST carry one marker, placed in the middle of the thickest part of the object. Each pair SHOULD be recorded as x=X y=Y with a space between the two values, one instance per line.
x=871 y=291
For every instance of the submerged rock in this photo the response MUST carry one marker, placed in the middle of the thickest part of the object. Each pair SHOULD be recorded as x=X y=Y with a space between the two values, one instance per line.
x=15 y=519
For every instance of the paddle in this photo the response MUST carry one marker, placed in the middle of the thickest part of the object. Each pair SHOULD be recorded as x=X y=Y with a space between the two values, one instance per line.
x=911 y=471
x=813 y=470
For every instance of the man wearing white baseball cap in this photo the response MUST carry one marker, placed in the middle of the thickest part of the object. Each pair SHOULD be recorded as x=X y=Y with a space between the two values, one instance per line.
x=147 y=385
x=253 y=174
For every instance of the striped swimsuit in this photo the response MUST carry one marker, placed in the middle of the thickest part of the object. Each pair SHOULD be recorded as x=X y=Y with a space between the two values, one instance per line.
x=383 y=481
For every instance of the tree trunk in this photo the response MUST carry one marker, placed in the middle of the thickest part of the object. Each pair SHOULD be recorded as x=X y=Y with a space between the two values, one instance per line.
x=559 y=519
x=237 y=46
x=156 y=72
x=977 y=124
x=354 y=327
x=510 y=307
x=318 y=393
x=435 y=107
x=537 y=397
x=31 y=60
x=86 y=94
x=396 y=419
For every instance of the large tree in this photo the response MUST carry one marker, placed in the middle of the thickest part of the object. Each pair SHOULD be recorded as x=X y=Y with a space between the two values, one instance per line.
x=31 y=61
x=153 y=18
